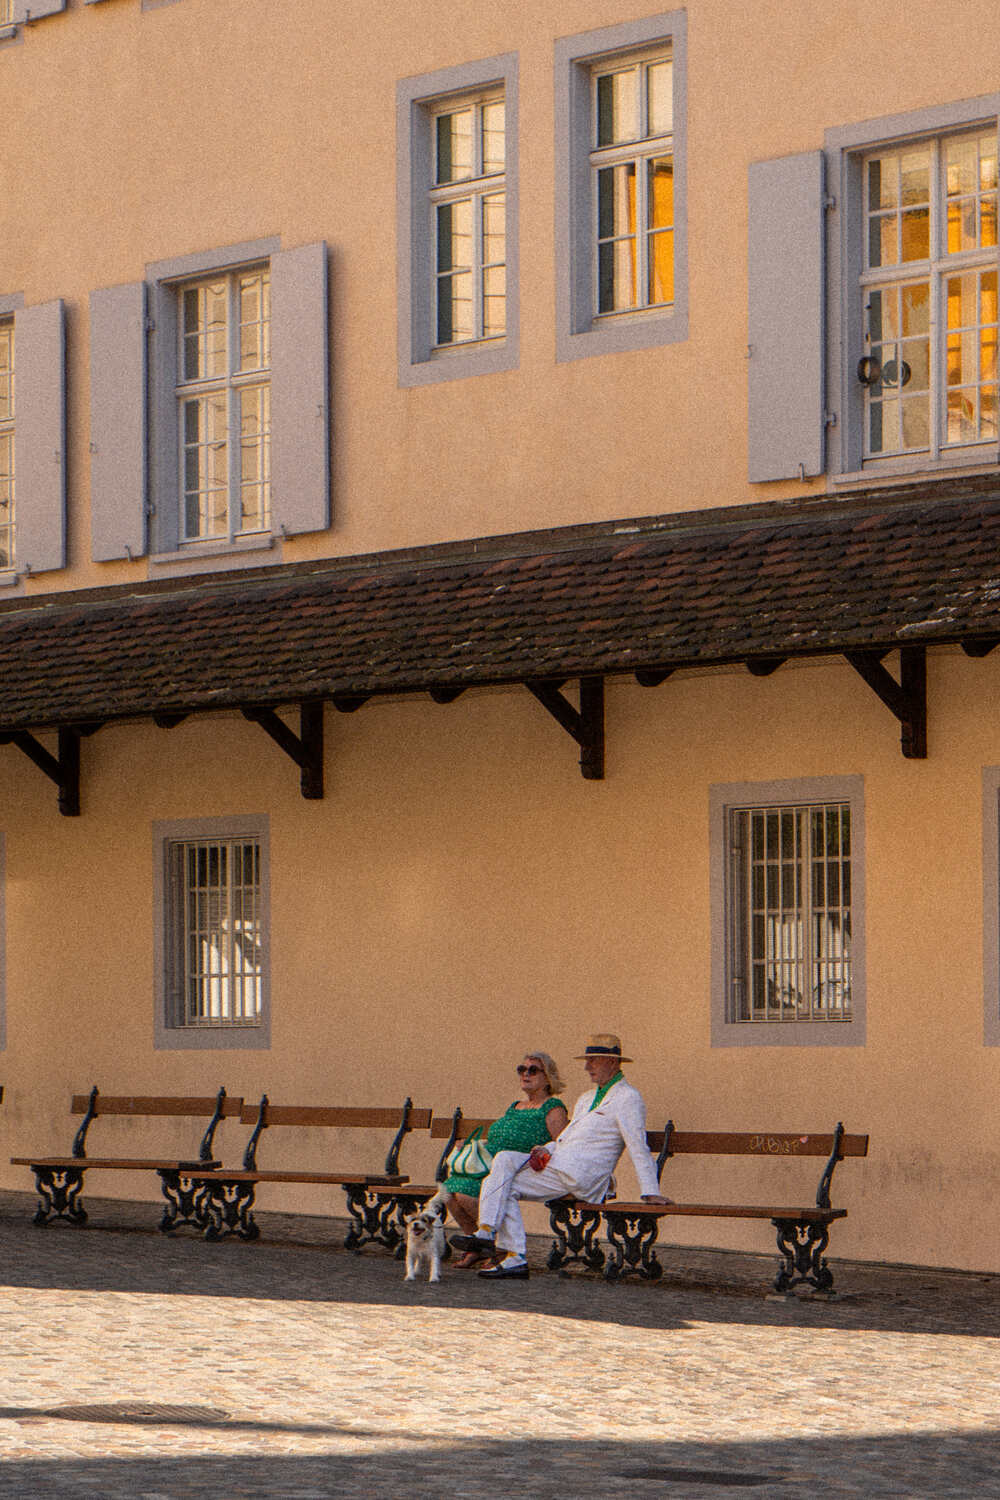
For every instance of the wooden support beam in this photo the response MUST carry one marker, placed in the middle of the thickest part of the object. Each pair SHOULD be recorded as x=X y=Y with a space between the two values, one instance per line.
x=648 y=677
x=763 y=666
x=304 y=748
x=981 y=645
x=63 y=768
x=907 y=698
x=585 y=726
x=349 y=703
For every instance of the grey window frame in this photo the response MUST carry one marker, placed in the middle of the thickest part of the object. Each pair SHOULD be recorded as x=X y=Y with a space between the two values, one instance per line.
x=580 y=331
x=991 y=906
x=844 y=150
x=723 y=799
x=418 y=99
x=167 y=1034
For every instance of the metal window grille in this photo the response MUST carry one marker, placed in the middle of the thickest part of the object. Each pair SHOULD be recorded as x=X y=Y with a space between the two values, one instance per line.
x=6 y=12
x=216 y=932
x=790 y=938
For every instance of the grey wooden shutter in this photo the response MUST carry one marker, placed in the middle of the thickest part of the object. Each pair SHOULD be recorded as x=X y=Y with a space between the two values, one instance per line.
x=34 y=10
x=118 y=421
x=40 y=438
x=785 y=251
x=300 y=397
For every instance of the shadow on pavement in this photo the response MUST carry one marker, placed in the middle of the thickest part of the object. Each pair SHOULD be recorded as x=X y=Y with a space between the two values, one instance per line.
x=938 y=1464
x=696 y=1286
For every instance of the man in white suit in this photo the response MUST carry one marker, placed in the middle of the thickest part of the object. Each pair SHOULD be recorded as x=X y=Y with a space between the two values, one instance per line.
x=608 y=1119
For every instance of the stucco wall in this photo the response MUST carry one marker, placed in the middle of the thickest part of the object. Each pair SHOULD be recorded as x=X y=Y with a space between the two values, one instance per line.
x=462 y=895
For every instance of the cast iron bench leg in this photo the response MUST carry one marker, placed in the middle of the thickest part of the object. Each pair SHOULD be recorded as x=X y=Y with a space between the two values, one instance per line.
x=632 y=1238
x=224 y=1208
x=373 y=1220
x=59 y=1190
x=574 y=1229
x=184 y=1200
x=801 y=1246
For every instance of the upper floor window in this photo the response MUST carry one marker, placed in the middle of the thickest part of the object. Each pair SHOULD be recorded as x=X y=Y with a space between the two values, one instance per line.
x=621 y=258
x=788 y=913
x=224 y=400
x=468 y=205
x=6 y=445
x=458 y=181
x=209 y=407
x=633 y=168
x=929 y=295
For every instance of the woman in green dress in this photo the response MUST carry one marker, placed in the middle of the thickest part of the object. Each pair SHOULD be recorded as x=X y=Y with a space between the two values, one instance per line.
x=530 y=1121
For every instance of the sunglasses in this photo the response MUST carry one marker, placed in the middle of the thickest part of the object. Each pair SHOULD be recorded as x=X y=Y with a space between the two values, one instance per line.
x=524 y=1071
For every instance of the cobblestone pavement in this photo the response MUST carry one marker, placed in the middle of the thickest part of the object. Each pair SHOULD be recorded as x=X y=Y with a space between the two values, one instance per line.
x=136 y=1365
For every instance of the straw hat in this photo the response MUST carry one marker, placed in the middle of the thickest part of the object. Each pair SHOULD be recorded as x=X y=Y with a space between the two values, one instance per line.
x=603 y=1044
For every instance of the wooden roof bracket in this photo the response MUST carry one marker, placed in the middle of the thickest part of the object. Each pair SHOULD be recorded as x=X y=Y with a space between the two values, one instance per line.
x=63 y=768
x=907 y=698
x=585 y=726
x=304 y=748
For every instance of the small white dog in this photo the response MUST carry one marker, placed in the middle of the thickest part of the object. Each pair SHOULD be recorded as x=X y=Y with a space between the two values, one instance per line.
x=425 y=1241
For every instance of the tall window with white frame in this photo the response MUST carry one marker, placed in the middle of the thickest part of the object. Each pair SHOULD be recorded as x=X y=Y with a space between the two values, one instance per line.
x=468 y=209
x=632 y=161
x=215 y=936
x=929 y=294
x=6 y=12
x=223 y=398
x=790 y=914
x=6 y=444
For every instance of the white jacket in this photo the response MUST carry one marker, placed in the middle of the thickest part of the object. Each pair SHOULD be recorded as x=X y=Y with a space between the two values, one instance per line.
x=588 y=1149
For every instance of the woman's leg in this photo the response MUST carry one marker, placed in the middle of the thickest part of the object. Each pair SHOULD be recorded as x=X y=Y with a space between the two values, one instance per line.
x=465 y=1211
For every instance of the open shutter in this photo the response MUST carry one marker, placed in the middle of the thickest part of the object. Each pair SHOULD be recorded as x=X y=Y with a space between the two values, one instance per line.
x=39 y=439
x=785 y=249
x=118 y=421
x=34 y=10
x=300 y=397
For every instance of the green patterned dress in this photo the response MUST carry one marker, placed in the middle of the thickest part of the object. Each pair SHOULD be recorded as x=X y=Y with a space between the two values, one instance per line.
x=517 y=1130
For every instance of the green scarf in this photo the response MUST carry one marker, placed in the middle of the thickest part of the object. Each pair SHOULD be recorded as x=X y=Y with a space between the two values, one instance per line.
x=605 y=1087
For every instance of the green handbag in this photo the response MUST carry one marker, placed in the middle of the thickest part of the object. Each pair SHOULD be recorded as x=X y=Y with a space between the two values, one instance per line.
x=471 y=1157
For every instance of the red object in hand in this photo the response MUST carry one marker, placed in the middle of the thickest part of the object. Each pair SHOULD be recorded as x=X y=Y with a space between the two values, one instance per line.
x=539 y=1159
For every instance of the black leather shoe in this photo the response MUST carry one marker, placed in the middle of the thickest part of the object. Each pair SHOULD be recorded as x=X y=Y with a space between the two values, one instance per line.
x=472 y=1244
x=504 y=1273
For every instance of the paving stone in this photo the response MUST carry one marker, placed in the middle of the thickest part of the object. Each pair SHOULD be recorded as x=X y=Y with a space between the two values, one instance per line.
x=140 y=1365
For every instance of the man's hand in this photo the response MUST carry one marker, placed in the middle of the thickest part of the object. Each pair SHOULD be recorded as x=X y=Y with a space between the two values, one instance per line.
x=538 y=1157
x=657 y=1198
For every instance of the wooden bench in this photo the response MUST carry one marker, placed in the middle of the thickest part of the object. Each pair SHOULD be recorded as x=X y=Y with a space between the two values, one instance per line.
x=402 y=1201
x=59 y=1179
x=803 y=1230
x=228 y=1198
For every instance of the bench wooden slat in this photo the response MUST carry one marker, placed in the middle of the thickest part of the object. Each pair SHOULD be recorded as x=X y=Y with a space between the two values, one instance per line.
x=121 y=1164
x=142 y=1104
x=441 y=1127
x=318 y=1114
x=341 y=1179
x=755 y=1143
x=717 y=1210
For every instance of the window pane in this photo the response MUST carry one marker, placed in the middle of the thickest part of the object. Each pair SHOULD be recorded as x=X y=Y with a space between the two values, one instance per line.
x=6 y=371
x=454 y=235
x=494 y=301
x=455 y=321
x=217 y=936
x=255 y=486
x=6 y=500
x=494 y=230
x=494 y=144
x=454 y=146
x=255 y=353
x=205 y=321
x=618 y=107
x=616 y=201
x=206 y=468
x=660 y=98
x=617 y=276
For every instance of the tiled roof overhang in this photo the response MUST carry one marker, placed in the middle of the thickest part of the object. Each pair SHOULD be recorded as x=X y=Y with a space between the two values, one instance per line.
x=914 y=566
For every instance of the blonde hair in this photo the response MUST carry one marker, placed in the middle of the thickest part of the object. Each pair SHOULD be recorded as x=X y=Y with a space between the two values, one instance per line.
x=551 y=1070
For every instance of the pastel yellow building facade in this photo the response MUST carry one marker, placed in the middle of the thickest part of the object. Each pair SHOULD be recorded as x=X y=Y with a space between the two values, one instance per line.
x=358 y=290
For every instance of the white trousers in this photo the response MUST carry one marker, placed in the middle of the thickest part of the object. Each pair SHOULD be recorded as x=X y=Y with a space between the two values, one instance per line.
x=508 y=1180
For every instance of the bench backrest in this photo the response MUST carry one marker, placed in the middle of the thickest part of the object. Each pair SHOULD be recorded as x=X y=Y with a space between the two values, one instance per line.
x=342 y=1117
x=216 y=1106
x=770 y=1143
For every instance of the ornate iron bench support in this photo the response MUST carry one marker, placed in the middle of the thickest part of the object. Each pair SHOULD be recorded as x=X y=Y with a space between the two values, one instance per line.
x=801 y=1244
x=59 y=1190
x=632 y=1237
x=374 y=1220
x=185 y=1200
x=223 y=1208
x=574 y=1229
